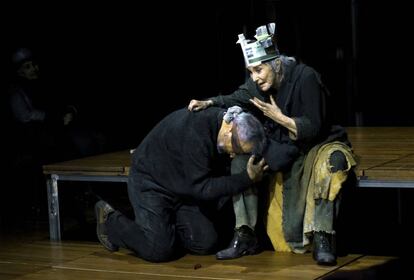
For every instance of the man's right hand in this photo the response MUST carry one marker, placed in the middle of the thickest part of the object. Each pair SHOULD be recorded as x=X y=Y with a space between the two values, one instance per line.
x=255 y=171
x=197 y=105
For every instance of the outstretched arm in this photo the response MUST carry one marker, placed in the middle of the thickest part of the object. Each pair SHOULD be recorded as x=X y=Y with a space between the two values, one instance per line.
x=197 y=105
x=239 y=97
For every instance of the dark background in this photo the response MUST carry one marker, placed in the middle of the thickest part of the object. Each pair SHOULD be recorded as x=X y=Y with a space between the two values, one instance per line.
x=126 y=65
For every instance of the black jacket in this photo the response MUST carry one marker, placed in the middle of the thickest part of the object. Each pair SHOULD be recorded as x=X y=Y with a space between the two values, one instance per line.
x=180 y=157
x=301 y=96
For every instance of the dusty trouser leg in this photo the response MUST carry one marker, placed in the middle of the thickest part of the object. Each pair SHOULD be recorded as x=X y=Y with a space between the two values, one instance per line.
x=326 y=212
x=245 y=207
x=245 y=204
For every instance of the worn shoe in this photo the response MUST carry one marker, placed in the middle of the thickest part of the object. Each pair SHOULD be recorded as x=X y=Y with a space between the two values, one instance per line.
x=102 y=211
x=244 y=243
x=324 y=248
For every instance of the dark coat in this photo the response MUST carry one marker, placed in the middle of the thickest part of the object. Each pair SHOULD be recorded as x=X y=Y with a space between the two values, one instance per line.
x=180 y=157
x=303 y=97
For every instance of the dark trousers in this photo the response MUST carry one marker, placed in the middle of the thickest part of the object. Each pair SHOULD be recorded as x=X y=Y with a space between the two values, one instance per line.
x=163 y=228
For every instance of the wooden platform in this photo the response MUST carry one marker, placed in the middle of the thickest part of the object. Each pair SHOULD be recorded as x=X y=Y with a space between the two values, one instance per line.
x=386 y=159
x=44 y=260
x=385 y=153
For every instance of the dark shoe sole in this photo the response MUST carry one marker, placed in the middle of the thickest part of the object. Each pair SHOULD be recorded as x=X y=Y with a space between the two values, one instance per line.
x=327 y=263
x=100 y=226
x=251 y=251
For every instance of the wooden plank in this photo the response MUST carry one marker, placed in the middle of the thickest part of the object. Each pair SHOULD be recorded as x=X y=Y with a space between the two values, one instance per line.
x=116 y=163
x=384 y=152
x=100 y=172
x=80 y=260
x=390 y=174
x=370 y=267
x=381 y=150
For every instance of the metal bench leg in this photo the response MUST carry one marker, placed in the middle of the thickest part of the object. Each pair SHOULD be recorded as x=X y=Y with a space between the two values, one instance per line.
x=53 y=203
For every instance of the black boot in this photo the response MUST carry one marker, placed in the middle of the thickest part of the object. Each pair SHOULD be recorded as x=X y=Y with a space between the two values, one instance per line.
x=102 y=211
x=244 y=243
x=324 y=252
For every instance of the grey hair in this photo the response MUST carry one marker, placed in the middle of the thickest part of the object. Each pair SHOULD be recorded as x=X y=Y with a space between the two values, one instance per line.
x=231 y=113
x=286 y=62
x=246 y=128
x=249 y=129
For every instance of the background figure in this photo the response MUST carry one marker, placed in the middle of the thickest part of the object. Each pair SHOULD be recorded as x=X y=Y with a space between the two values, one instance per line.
x=42 y=128
x=177 y=183
x=311 y=157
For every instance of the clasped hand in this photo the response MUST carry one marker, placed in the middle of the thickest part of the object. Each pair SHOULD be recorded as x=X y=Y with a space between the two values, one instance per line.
x=256 y=170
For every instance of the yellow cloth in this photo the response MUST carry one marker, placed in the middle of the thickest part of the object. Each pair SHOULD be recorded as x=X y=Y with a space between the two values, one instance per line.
x=322 y=184
x=274 y=226
x=326 y=184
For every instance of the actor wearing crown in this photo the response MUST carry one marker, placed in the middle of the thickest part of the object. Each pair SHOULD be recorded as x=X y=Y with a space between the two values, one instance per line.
x=309 y=157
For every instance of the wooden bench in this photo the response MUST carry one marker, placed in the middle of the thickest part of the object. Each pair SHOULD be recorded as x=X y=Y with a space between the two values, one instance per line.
x=386 y=159
x=110 y=167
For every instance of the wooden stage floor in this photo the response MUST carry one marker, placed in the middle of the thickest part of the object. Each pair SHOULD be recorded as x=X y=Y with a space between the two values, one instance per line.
x=36 y=258
x=387 y=155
